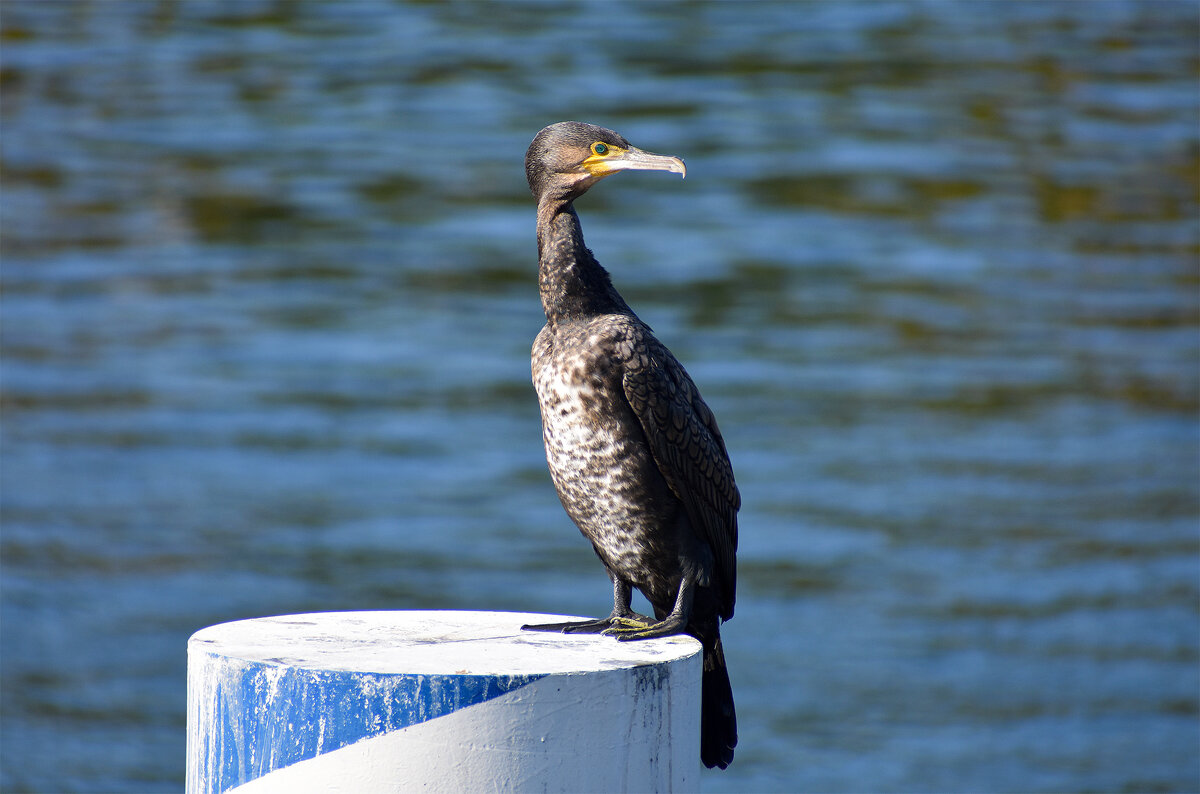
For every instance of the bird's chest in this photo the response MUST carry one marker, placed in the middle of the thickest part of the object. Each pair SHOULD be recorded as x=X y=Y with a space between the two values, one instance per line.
x=586 y=422
x=595 y=446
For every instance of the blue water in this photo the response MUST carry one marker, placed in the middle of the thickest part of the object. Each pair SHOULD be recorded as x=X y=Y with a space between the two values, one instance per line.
x=268 y=290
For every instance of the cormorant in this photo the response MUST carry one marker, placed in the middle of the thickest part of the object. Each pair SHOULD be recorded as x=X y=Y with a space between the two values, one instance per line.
x=635 y=454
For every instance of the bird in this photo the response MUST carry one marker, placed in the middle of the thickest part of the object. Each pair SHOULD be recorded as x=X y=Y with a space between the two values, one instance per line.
x=634 y=452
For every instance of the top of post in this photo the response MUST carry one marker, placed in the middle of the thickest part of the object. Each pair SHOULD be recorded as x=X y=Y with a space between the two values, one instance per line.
x=430 y=643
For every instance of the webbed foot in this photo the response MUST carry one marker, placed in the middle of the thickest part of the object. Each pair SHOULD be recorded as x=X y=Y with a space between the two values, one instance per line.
x=627 y=624
x=626 y=630
x=632 y=620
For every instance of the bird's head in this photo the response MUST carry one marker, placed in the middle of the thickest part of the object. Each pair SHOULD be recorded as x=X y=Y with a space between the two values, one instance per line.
x=567 y=158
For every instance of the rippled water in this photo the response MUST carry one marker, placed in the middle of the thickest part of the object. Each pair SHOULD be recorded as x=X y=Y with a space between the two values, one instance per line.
x=269 y=288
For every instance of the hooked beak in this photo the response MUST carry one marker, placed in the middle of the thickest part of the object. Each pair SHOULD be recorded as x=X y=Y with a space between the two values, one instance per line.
x=633 y=159
x=637 y=160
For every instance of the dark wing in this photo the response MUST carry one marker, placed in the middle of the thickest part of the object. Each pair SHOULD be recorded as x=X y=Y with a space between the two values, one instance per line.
x=689 y=451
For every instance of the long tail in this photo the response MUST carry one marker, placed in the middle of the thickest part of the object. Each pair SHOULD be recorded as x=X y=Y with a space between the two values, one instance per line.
x=718 y=723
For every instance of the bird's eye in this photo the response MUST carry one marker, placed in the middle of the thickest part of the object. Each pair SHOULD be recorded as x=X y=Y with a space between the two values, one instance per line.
x=599 y=149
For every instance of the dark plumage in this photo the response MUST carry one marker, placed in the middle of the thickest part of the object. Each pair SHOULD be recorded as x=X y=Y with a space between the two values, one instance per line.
x=635 y=454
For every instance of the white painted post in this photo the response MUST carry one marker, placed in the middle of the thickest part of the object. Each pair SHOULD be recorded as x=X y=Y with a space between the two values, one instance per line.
x=372 y=702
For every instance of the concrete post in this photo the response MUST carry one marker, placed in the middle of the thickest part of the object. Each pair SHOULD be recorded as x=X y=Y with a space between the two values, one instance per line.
x=372 y=702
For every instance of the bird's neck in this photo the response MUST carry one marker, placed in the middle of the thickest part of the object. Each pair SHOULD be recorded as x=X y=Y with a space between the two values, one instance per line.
x=572 y=283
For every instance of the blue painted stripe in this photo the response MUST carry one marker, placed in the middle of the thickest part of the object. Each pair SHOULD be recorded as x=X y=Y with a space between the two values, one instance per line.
x=271 y=717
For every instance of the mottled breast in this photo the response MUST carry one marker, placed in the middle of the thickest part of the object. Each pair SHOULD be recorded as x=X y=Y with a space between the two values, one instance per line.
x=595 y=447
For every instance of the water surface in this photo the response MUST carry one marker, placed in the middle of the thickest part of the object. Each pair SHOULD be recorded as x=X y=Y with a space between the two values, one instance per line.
x=269 y=289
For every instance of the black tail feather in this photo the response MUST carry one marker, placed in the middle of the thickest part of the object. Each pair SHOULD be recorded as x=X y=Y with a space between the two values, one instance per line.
x=718 y=723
